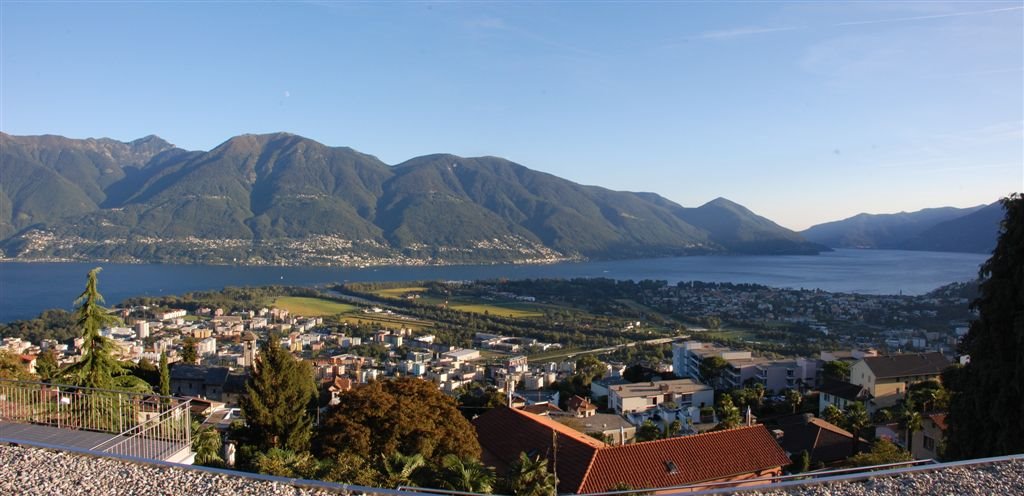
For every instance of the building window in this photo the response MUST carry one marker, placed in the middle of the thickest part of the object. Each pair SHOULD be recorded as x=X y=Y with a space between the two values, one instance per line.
x=929 y=443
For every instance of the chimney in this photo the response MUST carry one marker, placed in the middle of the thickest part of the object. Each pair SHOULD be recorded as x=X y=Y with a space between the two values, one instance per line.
x=622 y=435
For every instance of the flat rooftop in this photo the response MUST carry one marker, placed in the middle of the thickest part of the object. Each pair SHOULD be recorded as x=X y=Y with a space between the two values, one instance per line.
x=678 y=386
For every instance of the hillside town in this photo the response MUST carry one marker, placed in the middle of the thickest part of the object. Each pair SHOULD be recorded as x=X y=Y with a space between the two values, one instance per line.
x=789 y=404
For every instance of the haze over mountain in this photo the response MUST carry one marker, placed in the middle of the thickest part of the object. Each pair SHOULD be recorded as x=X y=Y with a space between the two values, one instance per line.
x=971 y=230
x=278 y=198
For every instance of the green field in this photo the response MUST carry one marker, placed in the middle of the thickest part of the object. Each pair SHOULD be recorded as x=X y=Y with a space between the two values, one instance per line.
x=513 y=310
x=387 y=321
x=312 y=307
x=739 y=334
x=398 y=292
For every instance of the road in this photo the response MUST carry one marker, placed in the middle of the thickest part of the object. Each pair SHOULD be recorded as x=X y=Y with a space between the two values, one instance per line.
x=608 y=349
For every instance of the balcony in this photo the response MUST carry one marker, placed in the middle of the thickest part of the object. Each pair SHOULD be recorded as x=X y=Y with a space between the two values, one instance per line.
x=104 y=421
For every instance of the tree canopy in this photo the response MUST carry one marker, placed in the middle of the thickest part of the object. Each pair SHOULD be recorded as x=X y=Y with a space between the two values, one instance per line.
x=98 y=367
x=281 y=394
x=986 y=405
x=404 y=415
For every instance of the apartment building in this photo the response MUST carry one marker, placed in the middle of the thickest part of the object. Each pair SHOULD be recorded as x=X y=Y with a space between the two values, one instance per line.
x=887 y=377
x=637 y=397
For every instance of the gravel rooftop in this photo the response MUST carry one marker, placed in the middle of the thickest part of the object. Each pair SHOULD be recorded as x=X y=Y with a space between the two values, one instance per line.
x=31 y=471
x=992 y=478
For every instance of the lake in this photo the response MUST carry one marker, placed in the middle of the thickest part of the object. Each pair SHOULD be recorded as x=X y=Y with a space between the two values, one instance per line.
x=26 y=289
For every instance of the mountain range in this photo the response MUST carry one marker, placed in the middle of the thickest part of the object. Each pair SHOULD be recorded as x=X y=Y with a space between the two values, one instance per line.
x=284 y=199
x=969 y=230
x=281 y=198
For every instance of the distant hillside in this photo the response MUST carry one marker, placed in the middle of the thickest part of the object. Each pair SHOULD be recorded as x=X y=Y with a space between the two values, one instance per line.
x=975 y=232
x=281 y=198
x=970 y=229
x=736 y=227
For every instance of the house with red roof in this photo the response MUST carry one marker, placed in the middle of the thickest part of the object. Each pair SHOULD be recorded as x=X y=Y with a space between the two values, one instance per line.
x=584 y=464
x=926 y=443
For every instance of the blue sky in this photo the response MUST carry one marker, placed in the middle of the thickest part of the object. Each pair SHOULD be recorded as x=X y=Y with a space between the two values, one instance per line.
x=803 y=111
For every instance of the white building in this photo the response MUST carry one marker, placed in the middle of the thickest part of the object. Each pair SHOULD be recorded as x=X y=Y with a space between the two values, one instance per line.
x=637 y=397
x=463 y=355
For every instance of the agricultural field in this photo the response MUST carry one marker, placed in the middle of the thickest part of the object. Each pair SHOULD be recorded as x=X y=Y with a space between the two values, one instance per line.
x=386 y=321
x=739 y=334
x=312 y=307
x=398 y=292
x=513 y=310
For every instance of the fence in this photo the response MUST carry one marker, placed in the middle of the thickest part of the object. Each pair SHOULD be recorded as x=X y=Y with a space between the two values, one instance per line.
x=142 y=425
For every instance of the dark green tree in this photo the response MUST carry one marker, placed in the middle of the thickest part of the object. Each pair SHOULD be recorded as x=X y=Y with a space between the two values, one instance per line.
x=986 y=405
x=837 y=369
x=729 y=416
x=711 y=369
x=287 y=463
x=165 y=376
x=648 y=431
x=188 y=350
x=398 y=469
x=281 y=393
x=882 y=451
x=47 y=367
x=459 y=474
x=11 y=367
x=794 y=398
x=530 y=477
x=856 y=420
x=589 y=368
x=801 y=463
x=206 y=443
x=404 y=415
x=98 y=368
x=834 y=416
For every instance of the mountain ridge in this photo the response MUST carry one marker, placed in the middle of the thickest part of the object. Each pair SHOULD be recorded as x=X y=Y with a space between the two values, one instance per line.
x=280 y=197
x=971 y=230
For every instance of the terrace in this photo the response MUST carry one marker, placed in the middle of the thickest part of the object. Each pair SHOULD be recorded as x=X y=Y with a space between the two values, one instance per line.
x=96 y=420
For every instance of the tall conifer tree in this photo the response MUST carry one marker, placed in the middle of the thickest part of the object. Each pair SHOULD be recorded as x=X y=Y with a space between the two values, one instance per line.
x=165 y=376
x=98 y=367
x=280 y=397
x=986 y=407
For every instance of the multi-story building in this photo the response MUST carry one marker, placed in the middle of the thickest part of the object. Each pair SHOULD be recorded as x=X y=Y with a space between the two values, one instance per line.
x=775 y=375
x=887 y=377
x=635 y=397
x=927 y=441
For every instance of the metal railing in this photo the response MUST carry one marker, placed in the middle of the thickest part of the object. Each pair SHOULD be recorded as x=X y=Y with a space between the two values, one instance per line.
x=144 y=425
x=158 y=437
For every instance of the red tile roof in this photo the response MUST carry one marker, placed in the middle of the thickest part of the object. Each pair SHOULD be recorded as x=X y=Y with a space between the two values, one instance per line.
x=541 y=409
x=939 y=419
x=824 y=442
x=578 y=402
x=505 y=432
x=588 y=465
x=686 y=460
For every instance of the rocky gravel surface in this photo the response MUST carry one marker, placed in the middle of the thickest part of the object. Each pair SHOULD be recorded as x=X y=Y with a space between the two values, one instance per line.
x=31 y=472
x=994 y=478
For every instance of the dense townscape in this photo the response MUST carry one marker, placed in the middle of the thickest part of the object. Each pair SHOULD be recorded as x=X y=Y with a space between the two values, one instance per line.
x=603 y=385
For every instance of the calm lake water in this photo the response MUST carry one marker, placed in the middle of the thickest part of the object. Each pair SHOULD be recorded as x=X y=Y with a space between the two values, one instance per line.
x=26 y=289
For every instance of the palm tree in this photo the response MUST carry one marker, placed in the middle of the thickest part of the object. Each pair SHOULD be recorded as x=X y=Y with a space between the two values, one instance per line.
x=856 y=420
x=759 y=391
x=206 y=443
x=466 y=475
x=912 y=420
x=398 y=469
x=794 y=398
x=530 y=477
x=834 y=415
